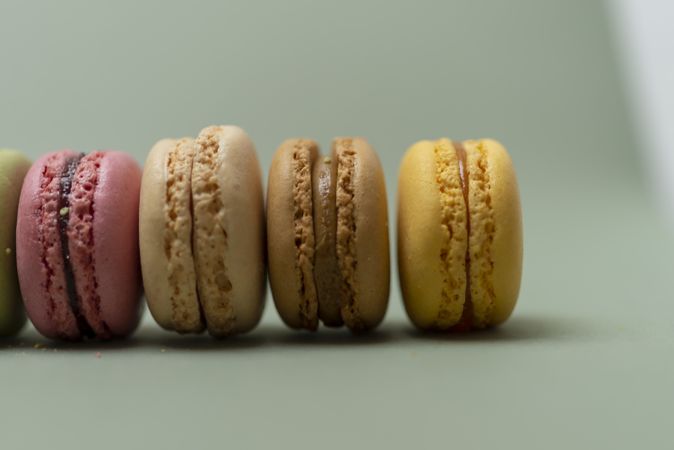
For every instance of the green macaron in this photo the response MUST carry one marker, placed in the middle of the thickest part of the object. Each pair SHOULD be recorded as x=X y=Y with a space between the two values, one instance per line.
x=13 y=168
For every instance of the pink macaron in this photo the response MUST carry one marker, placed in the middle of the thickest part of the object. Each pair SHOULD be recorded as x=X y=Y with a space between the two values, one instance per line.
x=77 y=245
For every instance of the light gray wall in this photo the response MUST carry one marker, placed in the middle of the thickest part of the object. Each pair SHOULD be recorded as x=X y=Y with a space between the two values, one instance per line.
x=540 y=76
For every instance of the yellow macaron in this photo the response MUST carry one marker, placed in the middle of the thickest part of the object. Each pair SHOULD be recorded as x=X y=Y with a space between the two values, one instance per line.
x=459 y=234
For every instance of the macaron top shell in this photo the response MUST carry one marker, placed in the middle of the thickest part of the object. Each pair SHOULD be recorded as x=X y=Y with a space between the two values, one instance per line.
x=459 y=234
x=13 y=168
x=78 y=264
x=40 y=252
x=166 y=229
x=362 y=234
x=290 y=230
x=228 y=210
x=424 y=250
x=496 y=210
x=115 y=232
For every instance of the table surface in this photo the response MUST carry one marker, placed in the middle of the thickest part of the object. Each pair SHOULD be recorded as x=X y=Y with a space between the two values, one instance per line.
x=586 y=360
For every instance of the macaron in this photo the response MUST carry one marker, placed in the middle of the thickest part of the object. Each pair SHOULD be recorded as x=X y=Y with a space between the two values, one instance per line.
x=459 y=234
x=77 y=245
x=202 y=233
x=13 y=168
x=327 y=234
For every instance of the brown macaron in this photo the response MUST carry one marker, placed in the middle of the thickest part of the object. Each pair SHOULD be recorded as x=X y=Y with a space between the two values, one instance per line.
x=327 y=231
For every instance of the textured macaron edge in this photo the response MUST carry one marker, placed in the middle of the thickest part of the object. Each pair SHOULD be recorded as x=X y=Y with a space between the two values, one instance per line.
x=496 y=232
x=39 y=251
x=165 y=232
x=362 y=234
x=450 y=181
x=290 y=233
x=481 y=235
x=80 y=214
x=242 y=200
x=209 y=236
x=432 y=235
x=228 y=232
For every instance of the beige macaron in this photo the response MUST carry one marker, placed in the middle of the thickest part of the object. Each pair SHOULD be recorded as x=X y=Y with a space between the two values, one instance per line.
x=327 y=234
x=202 y=233
x=459 y=234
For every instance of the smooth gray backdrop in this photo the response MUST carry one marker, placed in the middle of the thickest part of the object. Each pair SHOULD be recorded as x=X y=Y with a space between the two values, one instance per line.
x=586 y=359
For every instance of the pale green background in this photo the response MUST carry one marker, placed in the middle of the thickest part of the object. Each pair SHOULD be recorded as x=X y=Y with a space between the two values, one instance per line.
x=587 y=359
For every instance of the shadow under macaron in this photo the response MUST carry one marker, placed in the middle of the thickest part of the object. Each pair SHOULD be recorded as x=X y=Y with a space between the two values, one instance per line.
x=202 y=342
x=517 y=329
x=268 y=337
x=29 y=340
x=332 y=337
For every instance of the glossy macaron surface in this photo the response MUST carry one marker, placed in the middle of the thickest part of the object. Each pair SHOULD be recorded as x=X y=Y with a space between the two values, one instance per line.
x=459 y=234
x=77 y=245
x=13 y=168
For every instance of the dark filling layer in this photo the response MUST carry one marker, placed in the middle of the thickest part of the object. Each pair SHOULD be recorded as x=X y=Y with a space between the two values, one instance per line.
x=65 y=186
x=466 y=320
x=326 y=269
